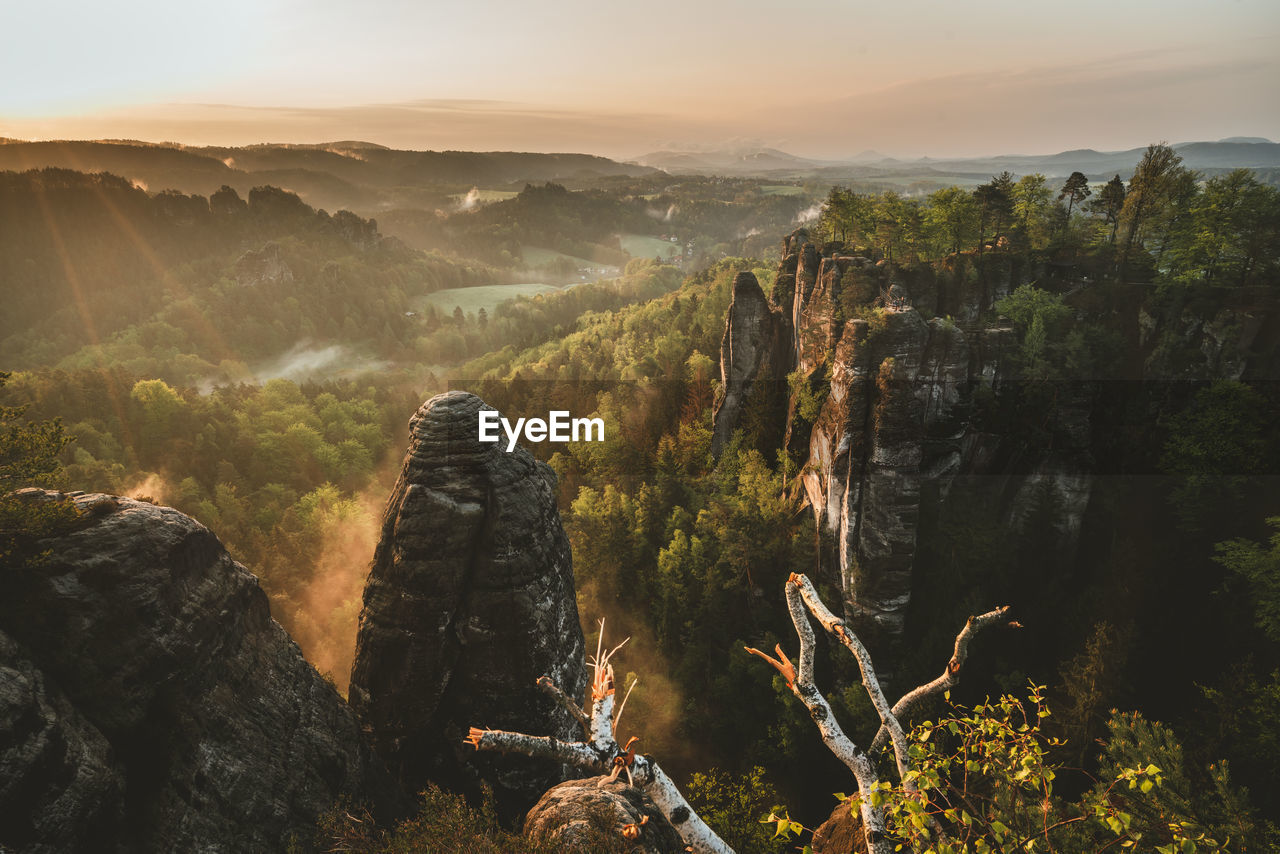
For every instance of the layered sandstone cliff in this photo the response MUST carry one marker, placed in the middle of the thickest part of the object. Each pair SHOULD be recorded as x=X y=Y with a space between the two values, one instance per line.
x=469 y=600
x=753 y=359
x=886 y=364
x=148 y=702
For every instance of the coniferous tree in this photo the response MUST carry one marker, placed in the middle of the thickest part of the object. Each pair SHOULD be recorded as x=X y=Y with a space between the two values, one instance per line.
x=1075 y=190
x=1109 y=203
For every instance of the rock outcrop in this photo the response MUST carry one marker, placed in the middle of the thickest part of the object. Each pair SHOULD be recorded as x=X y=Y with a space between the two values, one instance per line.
x=470 y=599
x=61 y=788
x=592 y=816
x=148 y=702
x=359 y=232
x=753 y=359
x=841 y=833
x=881 y=421
x=263 y=266
x=888 y=427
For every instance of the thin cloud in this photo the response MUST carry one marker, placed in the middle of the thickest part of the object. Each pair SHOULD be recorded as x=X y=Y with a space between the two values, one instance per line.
x=1111 y=102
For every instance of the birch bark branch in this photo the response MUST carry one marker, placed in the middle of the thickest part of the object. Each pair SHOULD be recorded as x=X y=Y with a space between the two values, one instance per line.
x=802 y=685
x=950 y=676
x=600 y=754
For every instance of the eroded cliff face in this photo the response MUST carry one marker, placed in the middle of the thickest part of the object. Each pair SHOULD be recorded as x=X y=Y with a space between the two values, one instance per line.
x=470 y=599
x=883 y=420
x=890 y=427
x=1235 y=342
x=148 y=702
x=753 y=358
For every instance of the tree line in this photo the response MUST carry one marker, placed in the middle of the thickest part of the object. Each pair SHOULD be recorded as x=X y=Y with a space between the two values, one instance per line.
x=1167 y=223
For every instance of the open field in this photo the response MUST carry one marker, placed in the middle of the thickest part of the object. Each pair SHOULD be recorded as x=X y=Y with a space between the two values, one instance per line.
x=536 y=256
x=643 y=246
x=483 y=296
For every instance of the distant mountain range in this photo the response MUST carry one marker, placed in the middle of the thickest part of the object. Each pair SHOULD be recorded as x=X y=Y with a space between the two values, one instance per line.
x=349 y=174
x=751 y=161
x=1211 y=157
x=370 y=178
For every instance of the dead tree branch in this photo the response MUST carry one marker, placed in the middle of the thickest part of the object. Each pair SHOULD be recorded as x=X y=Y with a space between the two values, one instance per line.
x=803 y=600
x=950 y=677
x=601 y=754
x=802 y=685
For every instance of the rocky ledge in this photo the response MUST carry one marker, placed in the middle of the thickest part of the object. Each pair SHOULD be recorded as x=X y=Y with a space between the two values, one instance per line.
x=148 y=702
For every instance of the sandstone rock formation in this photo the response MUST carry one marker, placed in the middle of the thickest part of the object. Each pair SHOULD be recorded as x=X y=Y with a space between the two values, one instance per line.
x=263 y=266
x=470 y=599
x=591 y=816
x=887 y=426
x=752 y=358
x=148 y=702
x=895 y=384
x=61 y=788
x=359 y=232
x=841 y=833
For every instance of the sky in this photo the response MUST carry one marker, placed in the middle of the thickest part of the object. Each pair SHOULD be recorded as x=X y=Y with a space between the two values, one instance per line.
x=819 y=78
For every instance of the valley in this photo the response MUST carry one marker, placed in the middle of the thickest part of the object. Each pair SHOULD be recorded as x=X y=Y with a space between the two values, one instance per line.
x=1002 y=390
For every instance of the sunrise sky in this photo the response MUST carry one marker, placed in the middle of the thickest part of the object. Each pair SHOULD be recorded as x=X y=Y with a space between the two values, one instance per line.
x=826 y=78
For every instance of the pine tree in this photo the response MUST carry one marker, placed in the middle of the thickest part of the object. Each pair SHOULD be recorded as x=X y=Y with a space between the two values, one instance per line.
x=1109 y=203
x=1075 y=190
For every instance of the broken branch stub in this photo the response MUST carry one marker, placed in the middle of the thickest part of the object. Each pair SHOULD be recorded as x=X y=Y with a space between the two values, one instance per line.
x=600 y=754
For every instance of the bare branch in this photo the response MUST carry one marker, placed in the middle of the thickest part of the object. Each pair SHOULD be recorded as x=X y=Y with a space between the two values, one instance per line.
x=569 y=752
x=623 y=705
x=601 y=754
x=873 y=824
x=695 y=832
x=951 y=676
x=888 y=721
x=782 y=664
x=837 y=628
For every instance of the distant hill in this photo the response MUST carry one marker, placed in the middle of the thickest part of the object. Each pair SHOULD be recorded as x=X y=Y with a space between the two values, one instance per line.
x=1211 y=157
x=752 y=161
x=349 y=174
x=371 y=179
x=1208 y=156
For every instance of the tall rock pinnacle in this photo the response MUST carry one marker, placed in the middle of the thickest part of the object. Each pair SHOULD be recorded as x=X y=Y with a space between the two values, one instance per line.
x=470 y=599
x=752 y=358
